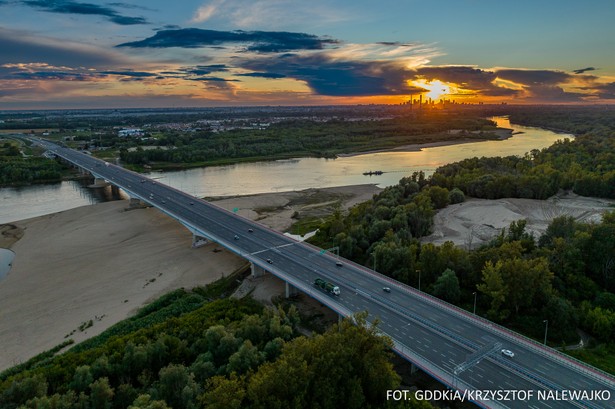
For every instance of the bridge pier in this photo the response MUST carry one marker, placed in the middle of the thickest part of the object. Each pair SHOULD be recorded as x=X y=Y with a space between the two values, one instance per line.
x=256 y=270
x=115 y=190
x=198 y=241
x=290 y=290
x=98 y=183
x=135 y=202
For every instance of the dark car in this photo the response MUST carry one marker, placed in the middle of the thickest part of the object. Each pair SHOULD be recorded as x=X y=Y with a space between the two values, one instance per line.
x=270 y=261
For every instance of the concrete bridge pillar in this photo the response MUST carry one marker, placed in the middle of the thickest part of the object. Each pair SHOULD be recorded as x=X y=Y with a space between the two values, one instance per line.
x=136 y=203
x=256 y=270
x=115 y=190
x=290 y=290
x=198 y=241
x=99 y=183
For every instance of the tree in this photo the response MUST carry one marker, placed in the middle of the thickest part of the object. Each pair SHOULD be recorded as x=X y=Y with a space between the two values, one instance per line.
x=24 y=389
x=456 y=196
x=447 y=286
x=146 y=402
x=439 y=196
x=177 y=387
x=247 y=357
x=224 y=393
x=82 y=379
x=493 y=286
x=101 y=394
x=348 y=366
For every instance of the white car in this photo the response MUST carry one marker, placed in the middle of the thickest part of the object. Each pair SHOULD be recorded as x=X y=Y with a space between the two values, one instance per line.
x=508 y=353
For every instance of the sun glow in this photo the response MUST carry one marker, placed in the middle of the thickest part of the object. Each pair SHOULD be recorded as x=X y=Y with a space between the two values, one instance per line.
x=436 y=88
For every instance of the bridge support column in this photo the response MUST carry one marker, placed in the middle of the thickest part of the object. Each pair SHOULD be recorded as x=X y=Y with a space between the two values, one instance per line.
x=99 y=183
x=413 y=368
x=115 y=190
x=290 y=290
x=198 y=241
x=256 y=270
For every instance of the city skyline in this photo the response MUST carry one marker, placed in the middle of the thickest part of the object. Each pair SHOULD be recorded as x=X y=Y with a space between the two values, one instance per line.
x=74 y=54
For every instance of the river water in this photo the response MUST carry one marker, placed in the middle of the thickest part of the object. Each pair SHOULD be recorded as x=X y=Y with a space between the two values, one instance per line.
x=278 y=176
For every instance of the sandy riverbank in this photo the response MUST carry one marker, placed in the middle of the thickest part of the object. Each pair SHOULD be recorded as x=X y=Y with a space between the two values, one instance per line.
x=102 y=263
x=476 y=221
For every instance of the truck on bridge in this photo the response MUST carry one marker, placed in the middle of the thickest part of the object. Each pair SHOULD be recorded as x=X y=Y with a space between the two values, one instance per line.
x=327 y=286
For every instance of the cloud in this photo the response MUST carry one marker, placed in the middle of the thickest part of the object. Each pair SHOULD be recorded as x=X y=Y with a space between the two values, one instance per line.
x=269 y=75
x=19 y=47
x=537 y=77
x=51 y=75
x=168 y=27
x=279 y=14
x=204 y=69
x=73 y=7
x=206 y=11
x=332 y=77
x=605 y=91
x=582 y=70
x=256 y=41
x=476 y=80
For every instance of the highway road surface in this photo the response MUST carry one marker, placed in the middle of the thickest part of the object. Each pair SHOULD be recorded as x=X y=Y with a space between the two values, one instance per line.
x=461 y=350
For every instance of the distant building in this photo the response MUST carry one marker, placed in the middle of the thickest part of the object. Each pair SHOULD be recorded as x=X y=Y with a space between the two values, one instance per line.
x=124 y=133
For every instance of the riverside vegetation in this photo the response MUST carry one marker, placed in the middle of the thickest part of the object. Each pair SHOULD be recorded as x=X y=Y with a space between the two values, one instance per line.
x=15 y=169
x=320 y=136
x=198 y=350
x=566 y=276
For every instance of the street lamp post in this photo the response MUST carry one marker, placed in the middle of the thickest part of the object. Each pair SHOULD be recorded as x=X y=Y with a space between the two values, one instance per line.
x=546 y=329
x=474 y=302
x=419 y=271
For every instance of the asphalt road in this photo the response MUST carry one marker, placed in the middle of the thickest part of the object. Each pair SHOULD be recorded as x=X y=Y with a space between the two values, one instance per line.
x=434 y=335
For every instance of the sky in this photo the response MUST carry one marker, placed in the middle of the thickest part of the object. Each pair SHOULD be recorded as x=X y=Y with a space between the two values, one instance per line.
x=68 y=54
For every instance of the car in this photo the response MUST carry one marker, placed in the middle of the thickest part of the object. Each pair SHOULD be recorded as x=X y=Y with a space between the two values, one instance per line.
x=386 y=289
x=191 y=203
x=339 y=263
x=270 y=261
x=250 y=231
x=236 y=237
x=508 y=353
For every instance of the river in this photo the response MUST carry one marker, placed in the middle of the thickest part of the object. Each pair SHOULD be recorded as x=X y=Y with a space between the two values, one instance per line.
x=280 y=175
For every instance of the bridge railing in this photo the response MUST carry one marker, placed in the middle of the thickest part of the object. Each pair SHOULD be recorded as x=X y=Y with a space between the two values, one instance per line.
x=594 y=373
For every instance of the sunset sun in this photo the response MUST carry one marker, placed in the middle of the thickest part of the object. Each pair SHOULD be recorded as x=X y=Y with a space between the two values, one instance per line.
x=436 y=88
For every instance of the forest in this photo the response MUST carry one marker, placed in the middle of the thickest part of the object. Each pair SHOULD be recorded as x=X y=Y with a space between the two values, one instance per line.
x=302 y=138
x=566 y=276
x=16 y=169
x=585 y=165
x=200 y=349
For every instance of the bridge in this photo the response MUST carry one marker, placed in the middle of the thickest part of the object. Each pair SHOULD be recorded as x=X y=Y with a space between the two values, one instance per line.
x=461 y=350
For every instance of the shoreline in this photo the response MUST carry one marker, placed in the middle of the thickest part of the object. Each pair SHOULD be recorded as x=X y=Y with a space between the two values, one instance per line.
x=502 y=134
